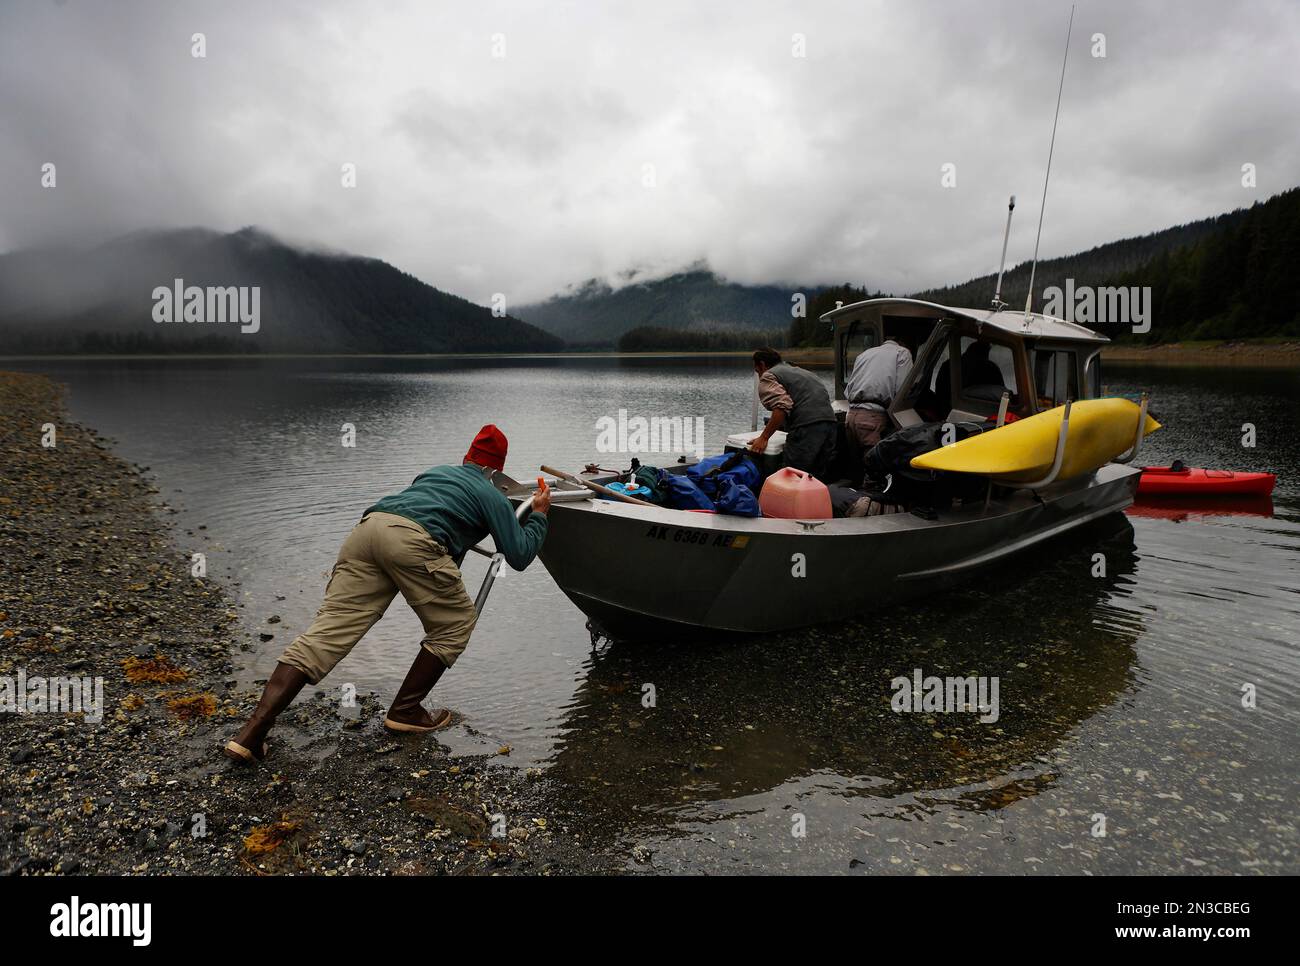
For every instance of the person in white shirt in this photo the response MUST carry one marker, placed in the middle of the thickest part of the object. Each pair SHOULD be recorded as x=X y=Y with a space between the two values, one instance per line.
x=878 y=374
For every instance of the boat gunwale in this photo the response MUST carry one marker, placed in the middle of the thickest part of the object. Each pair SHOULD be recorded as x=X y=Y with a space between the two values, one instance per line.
x=1020 y=502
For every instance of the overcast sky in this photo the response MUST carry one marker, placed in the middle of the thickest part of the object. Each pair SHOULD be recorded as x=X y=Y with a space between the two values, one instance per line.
x=526 y=172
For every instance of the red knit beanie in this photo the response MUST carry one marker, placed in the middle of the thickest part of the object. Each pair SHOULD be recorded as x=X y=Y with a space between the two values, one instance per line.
x=488 y=448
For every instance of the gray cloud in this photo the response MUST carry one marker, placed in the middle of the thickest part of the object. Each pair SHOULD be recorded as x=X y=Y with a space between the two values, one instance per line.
x=525 y=173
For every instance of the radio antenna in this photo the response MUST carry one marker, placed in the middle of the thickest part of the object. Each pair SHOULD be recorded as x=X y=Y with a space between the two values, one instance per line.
x=998 y=304
x=1029 y=296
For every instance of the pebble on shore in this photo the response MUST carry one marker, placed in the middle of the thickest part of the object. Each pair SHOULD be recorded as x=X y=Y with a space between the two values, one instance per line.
x=92 y=586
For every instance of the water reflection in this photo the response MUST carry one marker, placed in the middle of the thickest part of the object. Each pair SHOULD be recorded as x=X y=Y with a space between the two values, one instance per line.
x=1182 y=509
x=735 y=719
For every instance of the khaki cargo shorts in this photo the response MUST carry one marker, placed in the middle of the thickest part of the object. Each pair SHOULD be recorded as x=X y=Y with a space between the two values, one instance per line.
x=863 y=429
x=384 y=554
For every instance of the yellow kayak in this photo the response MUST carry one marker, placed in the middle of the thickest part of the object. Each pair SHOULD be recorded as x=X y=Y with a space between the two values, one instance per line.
x=1100 y=430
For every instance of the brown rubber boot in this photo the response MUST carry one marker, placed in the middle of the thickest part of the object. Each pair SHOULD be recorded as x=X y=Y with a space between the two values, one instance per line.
x=249 y=746
x=406 y=714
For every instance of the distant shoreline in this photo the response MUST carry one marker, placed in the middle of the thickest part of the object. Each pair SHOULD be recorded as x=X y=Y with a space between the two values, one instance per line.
x=813 y=356
x=1272 y=355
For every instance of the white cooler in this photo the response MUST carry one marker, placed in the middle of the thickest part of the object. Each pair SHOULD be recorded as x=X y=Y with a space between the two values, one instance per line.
x=770 y=460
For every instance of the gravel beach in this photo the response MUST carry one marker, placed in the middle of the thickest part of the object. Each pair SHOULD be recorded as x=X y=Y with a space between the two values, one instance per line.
x=94 y=588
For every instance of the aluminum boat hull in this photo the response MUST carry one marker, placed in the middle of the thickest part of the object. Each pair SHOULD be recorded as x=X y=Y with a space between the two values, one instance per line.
x=642 y=571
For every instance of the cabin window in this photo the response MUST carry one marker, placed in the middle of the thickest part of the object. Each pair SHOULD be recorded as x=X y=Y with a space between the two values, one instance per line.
x=861 y=337
x=988 y=369
x=857 y=335
x=908 y=331
x=1056 y=376
x=857 y=338
x=984 y=370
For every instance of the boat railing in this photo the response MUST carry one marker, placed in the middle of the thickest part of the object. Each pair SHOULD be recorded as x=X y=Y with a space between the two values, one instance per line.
x=1003 y=405
x=1061 y=435
x=1141 y=432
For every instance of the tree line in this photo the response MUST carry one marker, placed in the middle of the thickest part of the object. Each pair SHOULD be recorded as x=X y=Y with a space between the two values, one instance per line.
x=810 y=330
x=1230 y=277
x=650 y=338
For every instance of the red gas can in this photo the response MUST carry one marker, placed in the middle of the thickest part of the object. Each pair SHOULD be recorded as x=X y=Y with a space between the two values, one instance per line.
x=791 y=494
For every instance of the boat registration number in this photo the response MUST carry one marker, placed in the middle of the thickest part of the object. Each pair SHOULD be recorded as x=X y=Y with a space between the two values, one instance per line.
x=701 y=538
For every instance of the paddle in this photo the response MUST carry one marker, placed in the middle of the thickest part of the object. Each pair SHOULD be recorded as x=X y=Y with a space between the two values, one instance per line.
x=595 y=487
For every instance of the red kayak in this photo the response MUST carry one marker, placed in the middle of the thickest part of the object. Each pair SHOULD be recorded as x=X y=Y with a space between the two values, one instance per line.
x=1179 y=480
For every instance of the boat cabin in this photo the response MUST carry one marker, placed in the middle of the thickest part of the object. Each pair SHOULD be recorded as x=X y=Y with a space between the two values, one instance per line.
x=965 y=359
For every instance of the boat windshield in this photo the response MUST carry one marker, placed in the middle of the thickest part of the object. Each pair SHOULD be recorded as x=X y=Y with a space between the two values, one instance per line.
x=921 y=394
x=972 y=387
x=988 y=369
x=1056 y=375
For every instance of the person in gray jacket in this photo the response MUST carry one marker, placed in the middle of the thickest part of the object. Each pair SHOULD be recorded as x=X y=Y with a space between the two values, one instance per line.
x=801 y=406
x=877 y=376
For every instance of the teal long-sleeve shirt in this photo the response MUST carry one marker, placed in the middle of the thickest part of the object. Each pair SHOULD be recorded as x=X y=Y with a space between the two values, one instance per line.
x=458 y=506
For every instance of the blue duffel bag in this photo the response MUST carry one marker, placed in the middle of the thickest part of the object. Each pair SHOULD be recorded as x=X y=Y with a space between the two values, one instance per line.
x=683 y=494
x=737 y=499
x=736 y=467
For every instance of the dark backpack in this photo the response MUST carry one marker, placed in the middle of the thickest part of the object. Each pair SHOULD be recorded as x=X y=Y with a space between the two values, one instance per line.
x=890 y=474
x=652 y=477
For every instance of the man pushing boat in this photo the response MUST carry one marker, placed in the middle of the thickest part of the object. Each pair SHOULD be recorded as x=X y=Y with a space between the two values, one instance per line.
x=412 y=542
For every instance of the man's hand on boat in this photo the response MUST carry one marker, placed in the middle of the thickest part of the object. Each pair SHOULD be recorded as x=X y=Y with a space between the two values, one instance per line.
x=542 y=500
x=759 y=443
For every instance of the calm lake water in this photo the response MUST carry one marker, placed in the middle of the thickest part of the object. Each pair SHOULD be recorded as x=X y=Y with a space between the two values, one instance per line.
x=1120 y=696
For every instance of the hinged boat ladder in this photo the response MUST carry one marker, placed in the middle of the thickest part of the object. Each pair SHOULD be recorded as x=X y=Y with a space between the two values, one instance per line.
x=495 y=561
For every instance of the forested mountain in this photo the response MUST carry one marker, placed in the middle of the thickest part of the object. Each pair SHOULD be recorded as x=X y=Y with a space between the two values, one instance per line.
x=1233 y=276
x=695 y=299
x=1229 y=277
x=101 y=299
x=1242 y=281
